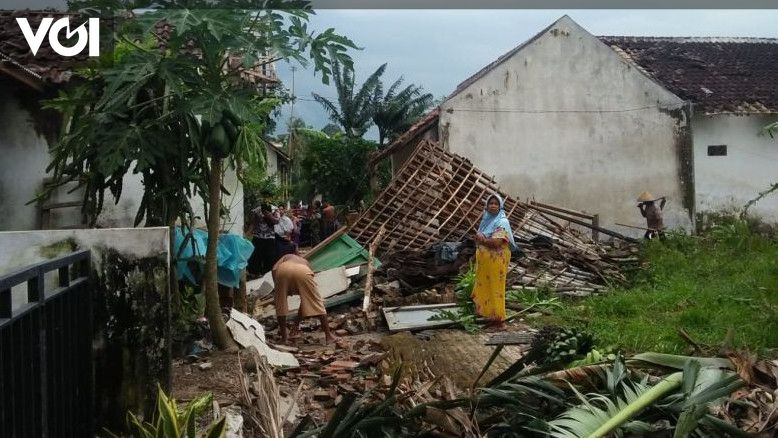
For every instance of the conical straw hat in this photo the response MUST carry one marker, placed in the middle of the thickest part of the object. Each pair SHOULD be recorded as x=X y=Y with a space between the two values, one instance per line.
x=646 y=197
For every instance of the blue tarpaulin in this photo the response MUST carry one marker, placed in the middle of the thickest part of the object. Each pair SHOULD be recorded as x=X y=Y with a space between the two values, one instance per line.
x=232 y=255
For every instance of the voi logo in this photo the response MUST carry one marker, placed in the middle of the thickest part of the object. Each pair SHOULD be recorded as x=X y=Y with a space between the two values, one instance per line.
x=90 y=36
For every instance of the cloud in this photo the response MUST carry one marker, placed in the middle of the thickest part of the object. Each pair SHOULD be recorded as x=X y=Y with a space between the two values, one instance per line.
x=438 y=49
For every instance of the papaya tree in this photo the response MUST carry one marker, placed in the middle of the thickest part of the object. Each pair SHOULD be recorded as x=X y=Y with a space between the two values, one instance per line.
x=173 y=107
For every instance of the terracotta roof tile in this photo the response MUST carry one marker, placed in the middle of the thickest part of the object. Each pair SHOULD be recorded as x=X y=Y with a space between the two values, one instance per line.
x=46 y=65
x=51 y=68
x=719 y=75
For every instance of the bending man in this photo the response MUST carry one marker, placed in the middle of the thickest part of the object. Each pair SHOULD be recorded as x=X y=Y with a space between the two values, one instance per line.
x=292 y=275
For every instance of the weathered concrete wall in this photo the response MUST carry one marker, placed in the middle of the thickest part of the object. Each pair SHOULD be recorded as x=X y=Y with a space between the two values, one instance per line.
x=22 y=166
x=727 y=183
x=131 y=308
x=271 y=164
x=25 y=156
x=567 y=121
x=123 y=214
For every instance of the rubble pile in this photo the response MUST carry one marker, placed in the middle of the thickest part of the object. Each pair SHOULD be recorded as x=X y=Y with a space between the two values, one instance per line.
x=570 y=272
x=333 y=371
x=438 y=197
x=421 y=228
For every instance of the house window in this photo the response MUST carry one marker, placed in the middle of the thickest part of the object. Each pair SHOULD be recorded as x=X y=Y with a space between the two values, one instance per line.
x=719 y=150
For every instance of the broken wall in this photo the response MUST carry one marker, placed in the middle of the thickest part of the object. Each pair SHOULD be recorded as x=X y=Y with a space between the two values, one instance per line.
x=567 y=121
x=131 y=308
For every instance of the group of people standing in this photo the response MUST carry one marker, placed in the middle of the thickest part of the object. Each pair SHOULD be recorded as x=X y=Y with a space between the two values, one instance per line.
x=322 y=221
x=274 y=233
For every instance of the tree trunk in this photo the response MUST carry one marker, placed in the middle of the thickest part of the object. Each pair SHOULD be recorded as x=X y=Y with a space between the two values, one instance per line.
x=175 y=294
x=221 y=336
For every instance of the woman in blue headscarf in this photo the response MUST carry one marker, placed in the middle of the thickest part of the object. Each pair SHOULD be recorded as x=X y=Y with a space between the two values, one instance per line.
x=493 y=254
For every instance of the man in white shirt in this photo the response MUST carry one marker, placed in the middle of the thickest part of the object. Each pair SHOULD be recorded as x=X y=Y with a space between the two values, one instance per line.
x=283 y=230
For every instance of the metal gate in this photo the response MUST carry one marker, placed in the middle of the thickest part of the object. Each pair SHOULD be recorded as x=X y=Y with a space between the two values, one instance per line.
x=46 y=383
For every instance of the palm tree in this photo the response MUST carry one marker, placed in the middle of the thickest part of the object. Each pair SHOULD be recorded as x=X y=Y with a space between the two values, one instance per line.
x=354 y=111
x=397 y=110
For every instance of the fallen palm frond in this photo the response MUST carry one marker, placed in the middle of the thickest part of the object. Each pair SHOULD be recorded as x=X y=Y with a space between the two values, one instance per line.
x=588 y=376
x=679 y=362
x=620 y=398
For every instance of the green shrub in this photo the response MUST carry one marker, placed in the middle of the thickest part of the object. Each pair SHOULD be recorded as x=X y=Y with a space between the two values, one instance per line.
x=171 y=422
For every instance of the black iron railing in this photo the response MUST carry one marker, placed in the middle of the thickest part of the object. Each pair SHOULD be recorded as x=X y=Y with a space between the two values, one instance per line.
x=46 y=377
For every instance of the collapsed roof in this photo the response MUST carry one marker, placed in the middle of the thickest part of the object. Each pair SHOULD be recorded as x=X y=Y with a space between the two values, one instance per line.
x=439 y=196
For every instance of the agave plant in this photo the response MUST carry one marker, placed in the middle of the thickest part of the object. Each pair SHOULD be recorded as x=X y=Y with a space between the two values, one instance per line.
x=172 y=422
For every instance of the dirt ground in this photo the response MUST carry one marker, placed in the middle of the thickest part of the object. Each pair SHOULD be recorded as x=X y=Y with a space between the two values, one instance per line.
x=454 y=353
x=326 y=372
x=359 y=363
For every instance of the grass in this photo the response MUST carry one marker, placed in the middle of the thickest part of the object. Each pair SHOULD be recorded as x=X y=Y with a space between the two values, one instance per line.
x=705 y=285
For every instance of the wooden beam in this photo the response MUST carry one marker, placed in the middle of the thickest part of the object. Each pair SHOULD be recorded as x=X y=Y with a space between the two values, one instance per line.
x=585 y=224
x=22 y=76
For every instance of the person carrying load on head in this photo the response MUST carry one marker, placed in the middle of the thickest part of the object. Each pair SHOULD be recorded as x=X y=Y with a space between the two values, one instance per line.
x=653 y=214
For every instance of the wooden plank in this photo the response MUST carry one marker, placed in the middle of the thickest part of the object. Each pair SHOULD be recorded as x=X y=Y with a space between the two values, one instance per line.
x=416 y=317
x=455 y=228
x=562 y=210
x=580 y=222
x=422 y=230
x=384 y=204
x=418 y=151
x=371 y=268
x=451 y=197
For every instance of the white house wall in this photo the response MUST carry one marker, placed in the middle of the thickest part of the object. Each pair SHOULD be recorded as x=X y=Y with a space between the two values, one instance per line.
x=271 y=162
x=566 y=121
x=727 y=183
x=123 y=214
x=23 y=159
x=24 y=156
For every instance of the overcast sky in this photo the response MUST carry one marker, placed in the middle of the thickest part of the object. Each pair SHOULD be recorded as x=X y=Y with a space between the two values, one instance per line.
x=437 y=49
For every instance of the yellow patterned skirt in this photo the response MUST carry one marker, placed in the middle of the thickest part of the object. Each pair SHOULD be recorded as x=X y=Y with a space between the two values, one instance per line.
x=491 y=268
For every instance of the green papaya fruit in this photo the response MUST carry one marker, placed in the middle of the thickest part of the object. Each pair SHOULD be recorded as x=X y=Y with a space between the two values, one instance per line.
x=232 y=130
x=219 y=141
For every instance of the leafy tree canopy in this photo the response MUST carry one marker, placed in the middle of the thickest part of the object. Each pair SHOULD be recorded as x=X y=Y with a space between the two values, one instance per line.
x=169 y=100
x=173 y=106
x=336 y=167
